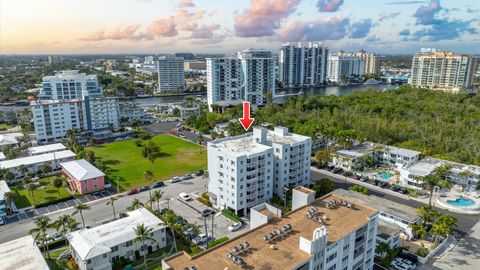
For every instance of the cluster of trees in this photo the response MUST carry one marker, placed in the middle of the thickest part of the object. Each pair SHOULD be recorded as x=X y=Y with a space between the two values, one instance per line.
x=435 y=123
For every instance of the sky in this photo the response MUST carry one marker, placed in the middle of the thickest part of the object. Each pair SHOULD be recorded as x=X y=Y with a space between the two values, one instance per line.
x=226 y=26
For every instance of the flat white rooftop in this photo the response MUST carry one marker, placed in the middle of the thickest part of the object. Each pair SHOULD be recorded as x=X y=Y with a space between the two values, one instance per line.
x=46 y=148
x=13 y=163
x=21 y=254
x=402 y=151
x=2 y=156
x=9 y=138
x=427 y=165
x=281 y=135
x=3 y=189
x=239 y=145
x=89 y=243
x=81 y=169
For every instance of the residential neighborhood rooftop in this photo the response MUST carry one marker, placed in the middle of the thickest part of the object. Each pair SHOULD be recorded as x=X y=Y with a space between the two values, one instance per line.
x=239 y=145
x=9 y=138
x=427 y=165
x=46 y=148
x=13 y=163
x=2 y=156
x=401 y=151
x=287 y=254
x=392 y=208
x=358 y=150
x=81 y=169
x=386 y=230
x=281 y=135
x=21 y=254
x=89 y=243
x=3 y=189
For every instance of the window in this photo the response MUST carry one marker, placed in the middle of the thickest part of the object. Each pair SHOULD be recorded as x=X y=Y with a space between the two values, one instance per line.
x=115 y=248
x=332 y=267
x=105 y=256
x=331 y=257
x=129 y=243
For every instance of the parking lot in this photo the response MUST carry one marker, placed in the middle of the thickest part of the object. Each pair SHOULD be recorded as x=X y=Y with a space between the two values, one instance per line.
x=55 y=207
x=191 y=211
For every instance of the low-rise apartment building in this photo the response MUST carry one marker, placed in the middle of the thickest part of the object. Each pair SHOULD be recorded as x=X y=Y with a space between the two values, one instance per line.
x=83 y=177
x=326 y=233
x=21 y=254
x=44 y=149
x=247 y=170
x=3 y=202
x=99 y=247
x=34 y=163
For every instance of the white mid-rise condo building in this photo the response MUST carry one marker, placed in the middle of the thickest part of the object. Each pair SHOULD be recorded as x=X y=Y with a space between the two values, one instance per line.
x=247 y=170
x=342 y=66
x=171 y=77
x=443 y=70
x=371 y=62
x=69 y=84
x=53 y=118
x=303 y=64
x=248 y=76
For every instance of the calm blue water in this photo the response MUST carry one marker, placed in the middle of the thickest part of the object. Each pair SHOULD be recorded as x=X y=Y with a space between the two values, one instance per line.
x=384 y=175
x=461 y=202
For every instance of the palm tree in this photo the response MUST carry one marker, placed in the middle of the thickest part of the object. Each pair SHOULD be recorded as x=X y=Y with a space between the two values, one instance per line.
x=143 y=233
x=31 y=188
x=382 y=249
x=418 y=231
x=110 y=202
x=64 y=224
x=149 y=177
x=9 y=198
x=42 y=224
x=79 y=208
x=434 y=180
x=156 y=197
x=427 y=214
x=58 y=183
x=170 y=220
x=443 y=226
x=136 y=204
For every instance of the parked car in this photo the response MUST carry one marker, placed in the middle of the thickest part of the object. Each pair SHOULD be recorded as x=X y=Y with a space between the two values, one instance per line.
x=158 y=184
x=357 y=177
x=187 y=176
x=123 y=215
x=184 y=196
x=201 y=239
x=180 y=220
x=1 y=221
x=331 y=167
x=402 y=264
x=407 y=262
x=207 y=212
x=347 y=173
x=199 y=172
x=235 y=227
x=144 y=188
x=190 y=233
x=364 y=179
x=132 y=191
x=403 y=191
x=176 y=179
x=337 y=170
x=395 y=188
x=408 y=256
x=56 y=236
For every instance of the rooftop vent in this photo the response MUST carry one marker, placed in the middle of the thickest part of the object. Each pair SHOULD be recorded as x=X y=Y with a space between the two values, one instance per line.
x=276 y=233
x=339 y=202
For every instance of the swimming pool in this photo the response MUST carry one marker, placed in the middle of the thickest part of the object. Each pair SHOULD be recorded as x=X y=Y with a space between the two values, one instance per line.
x=384 y=175
x=461 y=202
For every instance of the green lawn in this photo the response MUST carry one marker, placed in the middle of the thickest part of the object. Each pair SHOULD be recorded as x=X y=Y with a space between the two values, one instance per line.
x=44 y=194
x=124 y=160
x=5 y=126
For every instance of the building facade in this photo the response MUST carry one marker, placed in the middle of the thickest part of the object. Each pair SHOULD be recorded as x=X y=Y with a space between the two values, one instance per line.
x=303 y=64
x=247 y=170
x=185 y=55
x=3 y=203
x=171 y=77
x=53 y=118
x=341 y=67
x=101 y=246
x=69 y=84
x=249 y=76
x=371 y=62
x=443 y=70
x=318 y=234
x=83 y=177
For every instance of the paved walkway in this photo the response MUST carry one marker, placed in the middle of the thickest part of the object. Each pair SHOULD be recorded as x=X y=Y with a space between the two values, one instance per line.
x=464 y=256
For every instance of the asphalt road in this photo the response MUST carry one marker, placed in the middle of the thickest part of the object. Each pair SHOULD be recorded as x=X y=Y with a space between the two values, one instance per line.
x=465 y=222
x=100 y=212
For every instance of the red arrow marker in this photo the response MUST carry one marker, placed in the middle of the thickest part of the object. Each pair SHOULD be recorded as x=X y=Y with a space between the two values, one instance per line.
x=246 y=121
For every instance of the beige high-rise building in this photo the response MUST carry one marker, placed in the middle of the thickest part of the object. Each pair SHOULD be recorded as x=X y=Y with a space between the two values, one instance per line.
x=443 y=70
x=371 y=62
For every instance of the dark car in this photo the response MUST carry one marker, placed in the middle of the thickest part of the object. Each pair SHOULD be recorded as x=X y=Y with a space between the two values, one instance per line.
x=409 y=257
x=356 y=177
x=158 y=184
x=207 y=212
x=337 y=170
x=123 y=215
x=186 y=177
x=395 y=188
x=403 y=191
x=180 y=220
x=144 y=188
x=199 y=172
x=132 y=191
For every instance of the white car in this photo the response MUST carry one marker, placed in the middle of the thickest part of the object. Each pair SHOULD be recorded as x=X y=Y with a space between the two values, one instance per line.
x=407 y=262
x=1 y=221
x=176 y=179
x=201 y=239
x=235 y=227
x=399 y=265
x=184 y=196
